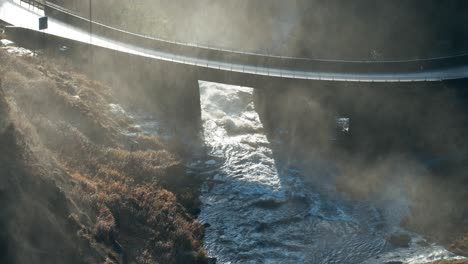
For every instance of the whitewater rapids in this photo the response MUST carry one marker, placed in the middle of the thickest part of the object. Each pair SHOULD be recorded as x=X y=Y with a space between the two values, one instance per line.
x=259 y=212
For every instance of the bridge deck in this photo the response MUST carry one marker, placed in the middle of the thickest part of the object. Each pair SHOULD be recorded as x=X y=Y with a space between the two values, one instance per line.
x=72 y=27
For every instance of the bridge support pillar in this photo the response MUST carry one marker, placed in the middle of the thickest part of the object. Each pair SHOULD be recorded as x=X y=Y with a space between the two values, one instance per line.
x=174 y=93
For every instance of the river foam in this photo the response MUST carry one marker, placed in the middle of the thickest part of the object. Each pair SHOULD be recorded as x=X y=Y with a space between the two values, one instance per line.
x=258 y=212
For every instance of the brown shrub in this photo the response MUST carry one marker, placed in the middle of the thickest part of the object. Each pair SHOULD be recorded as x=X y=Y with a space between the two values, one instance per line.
x=105 y=224
x=149 y=215
x=143 y=143
x=119 y=190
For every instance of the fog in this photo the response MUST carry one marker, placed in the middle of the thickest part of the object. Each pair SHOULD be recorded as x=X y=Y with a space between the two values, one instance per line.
x=406 y=143
x=406 y=136
x=318 y=29
x=404 y=140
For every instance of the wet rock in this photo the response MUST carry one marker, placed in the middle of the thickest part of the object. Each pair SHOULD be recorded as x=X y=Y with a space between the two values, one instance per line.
x=210 y=162
x=275 y=204
x=224 y=239
x=195 y=211
x=380 y=226
x=399 y=240
x=261 y=227
x=218 y=177
x=268 y=204
x=422 y=243
x=212 y=183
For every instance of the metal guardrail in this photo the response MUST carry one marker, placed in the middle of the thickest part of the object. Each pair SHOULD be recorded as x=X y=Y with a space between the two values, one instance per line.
x=34 y=3
x=256 y=64
x=240 y=73
x=208 y=47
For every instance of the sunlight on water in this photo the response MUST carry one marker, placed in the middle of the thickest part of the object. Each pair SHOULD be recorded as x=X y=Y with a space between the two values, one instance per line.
x=234 y=131
x=258 y=213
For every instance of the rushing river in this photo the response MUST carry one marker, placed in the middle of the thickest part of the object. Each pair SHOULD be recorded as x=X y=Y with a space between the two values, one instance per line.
x=261 y=210
x=258 y=211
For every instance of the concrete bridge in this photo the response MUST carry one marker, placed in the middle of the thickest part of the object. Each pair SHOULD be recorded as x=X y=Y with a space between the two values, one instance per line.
x=146 y=70
x=233 y=66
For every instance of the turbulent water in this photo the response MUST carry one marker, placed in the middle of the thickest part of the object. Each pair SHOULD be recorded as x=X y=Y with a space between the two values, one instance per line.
x=257 y=211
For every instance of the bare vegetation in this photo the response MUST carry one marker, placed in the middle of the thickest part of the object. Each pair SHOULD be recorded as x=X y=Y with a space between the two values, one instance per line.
x=123 y=199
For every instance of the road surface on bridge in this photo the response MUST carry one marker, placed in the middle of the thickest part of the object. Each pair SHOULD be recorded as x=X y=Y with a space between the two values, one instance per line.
x=20 y=14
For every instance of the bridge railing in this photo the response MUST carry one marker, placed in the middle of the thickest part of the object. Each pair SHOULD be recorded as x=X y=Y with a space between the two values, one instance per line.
x=239 y=74
x=243 y=59
x=34 y=3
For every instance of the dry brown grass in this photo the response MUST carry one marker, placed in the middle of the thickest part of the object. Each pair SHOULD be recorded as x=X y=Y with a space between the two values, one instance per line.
x=34 y=215
x=120 y=186
x=147 y=219
x=63 y=96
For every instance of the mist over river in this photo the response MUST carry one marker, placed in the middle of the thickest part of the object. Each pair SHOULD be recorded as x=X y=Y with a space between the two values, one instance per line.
x=258 y=209
x=261 y=206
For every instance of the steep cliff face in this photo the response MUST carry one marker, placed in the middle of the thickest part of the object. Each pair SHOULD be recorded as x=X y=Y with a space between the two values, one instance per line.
x=79 y=183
